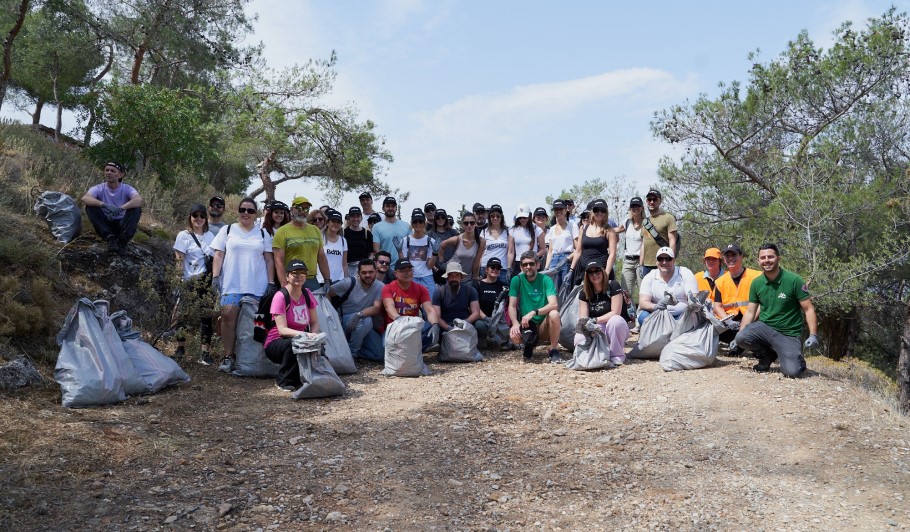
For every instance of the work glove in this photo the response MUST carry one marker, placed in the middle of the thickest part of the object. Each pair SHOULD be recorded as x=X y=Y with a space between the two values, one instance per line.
x=592 y=325
x=216 y=285
x=579 y=339
x=733 y=325
x=434 y=334
x=434 y=245
x=110 y=210
x=352 y=323
x=326 y=286
x=270 y=289
x=459 y=324
x=733 y=345
x=396 y=243
x=661 y=305
x=811 y=342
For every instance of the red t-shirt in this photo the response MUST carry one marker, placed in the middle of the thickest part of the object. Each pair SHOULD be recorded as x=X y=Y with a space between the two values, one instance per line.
x=407 y=302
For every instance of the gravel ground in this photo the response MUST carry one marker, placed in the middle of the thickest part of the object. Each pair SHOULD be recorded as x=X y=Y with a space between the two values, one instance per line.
x=498 y=445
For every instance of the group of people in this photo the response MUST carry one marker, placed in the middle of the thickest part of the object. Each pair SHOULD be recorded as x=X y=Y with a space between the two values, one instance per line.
x=430 y=269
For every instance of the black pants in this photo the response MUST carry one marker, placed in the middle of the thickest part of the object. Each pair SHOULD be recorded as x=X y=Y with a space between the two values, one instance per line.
x=123 y=229
x=281 y=352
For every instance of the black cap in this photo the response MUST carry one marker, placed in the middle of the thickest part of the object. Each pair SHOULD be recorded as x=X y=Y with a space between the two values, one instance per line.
x=636 y=202
x=540 y=211
x=418 y=217
x=450 y=219
x=375 y=218
x=594 y=264
x=332 y=214
x=478 y=207
x=213 y=199
x=355 y=211
x=653 y=192
x=295 y=265
x=569 y=201
x=197 y=208
x=388 y=200
x=365 y=195
x=116 y=165
x=558 y=204
x=733 y=248
x=429 y=206
x=279 y=205
x=494 y=263
x=597 y=204
x=401 y=264
x=496 y=208
x=440 y=212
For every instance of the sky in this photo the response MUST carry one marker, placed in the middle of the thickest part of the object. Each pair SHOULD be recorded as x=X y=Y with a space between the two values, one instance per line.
x=511 y=101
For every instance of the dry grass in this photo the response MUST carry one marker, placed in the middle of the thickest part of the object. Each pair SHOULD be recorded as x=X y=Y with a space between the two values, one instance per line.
x=858 y=373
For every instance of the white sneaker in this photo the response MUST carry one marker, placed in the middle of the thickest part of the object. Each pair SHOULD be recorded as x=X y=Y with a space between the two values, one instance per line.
x=616 y=361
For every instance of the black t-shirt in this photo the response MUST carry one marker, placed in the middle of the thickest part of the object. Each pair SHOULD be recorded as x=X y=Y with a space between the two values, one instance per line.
x=487 y=294
x=360 y=244
x=601 y=303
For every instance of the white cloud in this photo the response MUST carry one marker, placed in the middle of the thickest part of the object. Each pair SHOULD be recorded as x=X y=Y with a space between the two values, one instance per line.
x=831 y=16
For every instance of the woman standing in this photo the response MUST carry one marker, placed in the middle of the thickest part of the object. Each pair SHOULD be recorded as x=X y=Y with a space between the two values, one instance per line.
x=497 y=238
x=632 y=257
x=417 y=248
x=191 y=251
x=360 y=240
x=561 y=240
x=317 y=218
x=440 y=232
x=276 y=215
x=336 y=246
x=292 y=317
x=604 y=301
x=597 y=241
x=465 y=248
x=525 y=236
x=242 y=267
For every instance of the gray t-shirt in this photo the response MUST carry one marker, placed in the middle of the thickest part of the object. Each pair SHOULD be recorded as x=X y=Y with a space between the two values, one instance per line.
x=359 y=299
x=215 y=227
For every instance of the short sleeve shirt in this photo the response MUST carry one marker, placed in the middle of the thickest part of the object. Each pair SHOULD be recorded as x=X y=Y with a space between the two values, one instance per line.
x=602 y=302
x=455 y=306
x=407 y=302
x=531 y=294
x=664 y=223
x=487 y=294
x=417 y=250
x=359 y=299
x=334 y=254
x=243 y=270
x=193 y=254
x=780 y=301
x=299 y=243
x=385 y=232
x=297 y=314
x=117 y=197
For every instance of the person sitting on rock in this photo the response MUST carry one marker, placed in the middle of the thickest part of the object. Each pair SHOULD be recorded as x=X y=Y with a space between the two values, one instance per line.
x=114 y=208
x=404 y=297
x=458 y=301
x=362 y=300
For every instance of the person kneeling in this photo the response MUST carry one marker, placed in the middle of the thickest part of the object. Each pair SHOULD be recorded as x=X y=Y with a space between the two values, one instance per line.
x=457 y=301
x=404 y=297
x=535 y=297
x=603 y=300
x=361 y=298
x=293 y=316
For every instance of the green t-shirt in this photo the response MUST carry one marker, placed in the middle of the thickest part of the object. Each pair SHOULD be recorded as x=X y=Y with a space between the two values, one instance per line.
x=779 y=300
x=531 y=295
x=299 y=243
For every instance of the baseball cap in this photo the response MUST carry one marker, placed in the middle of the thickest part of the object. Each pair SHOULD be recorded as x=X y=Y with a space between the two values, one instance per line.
x=216 y=199
x=401 y=264
x=365 y=195
x=197 y=208
x=478 y=207
x=665 y=251
x=540 y=211
x=523 y=211
x=636 y=202
x=494 y=263
x=569 y=201
x=374 y=218
x=712 y=253
x=496 y=208
x=597 y=204
x=429 y=206
x=594 y=264
x=300 y=200
x=388 y=200
x=116 y=165
x=332 y=214
x=278 y=205
x=733 y=248
x=440 y=212
x=296 y=265
x=559 y=204
x=653 y=192
x=355 y=211
x=418 y=217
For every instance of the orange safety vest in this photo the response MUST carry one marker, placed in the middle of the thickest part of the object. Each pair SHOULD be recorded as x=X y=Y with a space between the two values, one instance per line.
x=704 y=284
x=734 y=298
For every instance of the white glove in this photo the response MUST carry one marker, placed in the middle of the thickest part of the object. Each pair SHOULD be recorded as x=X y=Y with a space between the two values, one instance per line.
x=811 y=342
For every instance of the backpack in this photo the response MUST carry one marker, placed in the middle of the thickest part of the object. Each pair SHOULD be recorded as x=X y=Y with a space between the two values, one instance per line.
x=337 y=301
x=263 y=322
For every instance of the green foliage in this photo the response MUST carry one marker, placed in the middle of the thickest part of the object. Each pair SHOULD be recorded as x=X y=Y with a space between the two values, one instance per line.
x=616 y=192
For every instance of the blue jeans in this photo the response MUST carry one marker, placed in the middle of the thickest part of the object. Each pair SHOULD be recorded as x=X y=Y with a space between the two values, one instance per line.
x=645 y=270
x=427 y=282
x=561 y=263
x=364 y=341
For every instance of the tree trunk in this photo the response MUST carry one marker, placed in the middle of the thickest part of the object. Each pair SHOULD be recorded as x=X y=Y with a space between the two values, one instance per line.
x=903 y=364
x=36 y=116
x=59 y=105
x=8 y=49
x=89 y=128
x=839 y=332
x=265 y=174
x=143 y=47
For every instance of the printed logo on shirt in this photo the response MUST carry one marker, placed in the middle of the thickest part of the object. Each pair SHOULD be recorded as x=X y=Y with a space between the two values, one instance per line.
x=781 y=296
x=300 y=314
x=496 y=245
x=406 y=306
x=333 y=252
x=418 y=253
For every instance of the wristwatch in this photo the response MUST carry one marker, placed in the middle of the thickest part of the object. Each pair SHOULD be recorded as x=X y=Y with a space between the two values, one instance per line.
x=537 y=312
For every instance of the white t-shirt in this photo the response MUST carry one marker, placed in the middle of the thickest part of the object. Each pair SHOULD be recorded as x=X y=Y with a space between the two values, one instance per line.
x=564 y=242
x=244 y=269
x=417 y=250
x=334 y=252
x=682 y=282
x=523 y=240
x=193 y=255
x=498 y=248
x=633 y=239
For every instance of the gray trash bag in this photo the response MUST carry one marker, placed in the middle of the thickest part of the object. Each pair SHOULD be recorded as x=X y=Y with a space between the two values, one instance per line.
x=248 y=353
x=132 y=381
x=498 y=326
x=694 y=342
x=336 y=343
x=404 y=348
x=594 y=352
x=656 y=331
x=86 y=370
x=62 y=215
x=155 y=369
x=316 y=373
x=459 y=344
x=568 y=317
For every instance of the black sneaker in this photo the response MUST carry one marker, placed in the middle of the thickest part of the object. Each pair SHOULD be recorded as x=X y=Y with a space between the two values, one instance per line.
x=554 y=357
x=112 y=245
x=227 y=365
x=764 y=364
x=736 y=351
x=206 y=359
x=179 y=353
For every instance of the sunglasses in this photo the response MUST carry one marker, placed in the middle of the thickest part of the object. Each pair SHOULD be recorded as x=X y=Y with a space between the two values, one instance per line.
x=301 y=208
x=651 y=199
x=318 y=219
x=594 y=271
x=421 y=222
x=198 y=216
x=217 y=205
x=664 y=259
x=528 y=264
x=468 y=223
x=298 y=273
x=243 y=210
x=383 y=262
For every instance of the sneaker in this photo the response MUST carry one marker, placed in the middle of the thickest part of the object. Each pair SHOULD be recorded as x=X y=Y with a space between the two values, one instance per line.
x=616 y=361
x=285 y=387
x=179 y=353
x=554 y=357
x=121 y=242
x=112 y=245
x=227 y=365
x=736 y=352
x=761 y=367
x=206 y=359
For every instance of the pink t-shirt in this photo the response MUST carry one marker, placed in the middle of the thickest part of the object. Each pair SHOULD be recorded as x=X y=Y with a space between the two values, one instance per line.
x=297 y=315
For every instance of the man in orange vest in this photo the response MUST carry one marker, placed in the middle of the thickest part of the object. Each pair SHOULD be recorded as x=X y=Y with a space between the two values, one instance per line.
x=732 y=293
x=707 y=278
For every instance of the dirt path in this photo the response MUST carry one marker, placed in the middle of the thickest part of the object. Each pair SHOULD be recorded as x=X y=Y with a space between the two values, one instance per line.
x=497 y=445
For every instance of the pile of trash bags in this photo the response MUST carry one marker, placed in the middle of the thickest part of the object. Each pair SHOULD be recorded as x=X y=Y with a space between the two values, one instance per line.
x=695 y=338
x=103 y=360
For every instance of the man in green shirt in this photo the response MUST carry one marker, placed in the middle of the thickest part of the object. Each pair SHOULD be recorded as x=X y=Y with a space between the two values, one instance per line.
x=533 y=309
x=299 y=240
x=780 y=298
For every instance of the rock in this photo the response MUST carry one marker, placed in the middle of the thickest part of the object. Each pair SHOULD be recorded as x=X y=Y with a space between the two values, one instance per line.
x=18 y=374
x=224 y=509
x=171 y=519
x=335 y=516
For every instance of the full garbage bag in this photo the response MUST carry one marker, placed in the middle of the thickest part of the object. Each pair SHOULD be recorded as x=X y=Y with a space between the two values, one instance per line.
x=62 y=215
x=568 y=318
x=316 y=373
x=594 y=352
x=132 y=382
x=336 y=344
x=156 y=370
x=498 y=324
x=404 y=348
x=459 y=344
x=656 y=331
x=694 y=341
x=249 y=354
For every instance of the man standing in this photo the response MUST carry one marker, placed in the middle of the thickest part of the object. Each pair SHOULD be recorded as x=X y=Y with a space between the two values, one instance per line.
x=658 y=230
x=300 y=240
x=707 y=278
x=780 y=298
x=404 y=297
x=114 y=208
x=361 y=299
x=457 y=301
x=480 y=214
x=366 y=204
x=216 y=214
x=533 y=309
x=732 y=294
x=390 y=232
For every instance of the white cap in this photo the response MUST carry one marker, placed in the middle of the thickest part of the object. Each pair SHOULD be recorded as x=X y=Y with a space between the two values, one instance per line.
x=523 y=211
x=665 y=251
